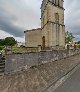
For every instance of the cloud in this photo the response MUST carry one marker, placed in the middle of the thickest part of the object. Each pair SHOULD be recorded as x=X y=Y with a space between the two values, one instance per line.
x=16 y=16
x=72 y=18
x=5 y=34
x=9 y=27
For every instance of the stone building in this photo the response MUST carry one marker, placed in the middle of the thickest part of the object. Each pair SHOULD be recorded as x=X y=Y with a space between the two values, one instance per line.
x=33 y=37
x=52 y=31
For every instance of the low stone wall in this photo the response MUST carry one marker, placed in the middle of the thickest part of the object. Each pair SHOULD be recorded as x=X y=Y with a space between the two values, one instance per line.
x=18 y=62
x=40 y=78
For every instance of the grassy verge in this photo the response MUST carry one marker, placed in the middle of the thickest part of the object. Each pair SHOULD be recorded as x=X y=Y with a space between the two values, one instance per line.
x=19 y=49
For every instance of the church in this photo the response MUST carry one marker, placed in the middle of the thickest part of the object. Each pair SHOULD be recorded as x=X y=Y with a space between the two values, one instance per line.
x=52 y=31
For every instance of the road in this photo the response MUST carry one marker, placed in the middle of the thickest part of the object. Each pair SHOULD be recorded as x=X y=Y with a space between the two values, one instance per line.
x=72 y=84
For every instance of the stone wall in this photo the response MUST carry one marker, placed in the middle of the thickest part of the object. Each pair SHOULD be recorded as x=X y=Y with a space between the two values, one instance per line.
x=18 y=62
x=48 y=24
x=40 y=78
x=33 y=37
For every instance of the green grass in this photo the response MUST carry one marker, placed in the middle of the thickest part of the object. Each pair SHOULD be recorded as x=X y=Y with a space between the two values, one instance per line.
x=2 y=47
x=19 y=49
x=23 y=49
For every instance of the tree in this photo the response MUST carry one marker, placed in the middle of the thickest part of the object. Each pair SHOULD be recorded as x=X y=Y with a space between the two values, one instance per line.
x=1 y=42
x=69 y=37
x=9 y=41
x=78 y=42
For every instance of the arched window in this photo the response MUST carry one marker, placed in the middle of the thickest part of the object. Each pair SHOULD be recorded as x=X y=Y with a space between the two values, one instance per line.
x=58 y=3
x=57 y=28
x=47 y=13
x=57 y=18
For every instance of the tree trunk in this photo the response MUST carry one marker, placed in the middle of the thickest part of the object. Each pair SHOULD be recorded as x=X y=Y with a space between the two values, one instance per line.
x=11 y=49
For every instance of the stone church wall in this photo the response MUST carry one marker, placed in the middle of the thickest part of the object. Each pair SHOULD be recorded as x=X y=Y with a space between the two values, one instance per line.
x=33 y=38
x=18 y=62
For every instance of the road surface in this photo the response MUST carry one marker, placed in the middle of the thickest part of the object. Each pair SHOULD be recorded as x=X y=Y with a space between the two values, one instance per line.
x=72 y=84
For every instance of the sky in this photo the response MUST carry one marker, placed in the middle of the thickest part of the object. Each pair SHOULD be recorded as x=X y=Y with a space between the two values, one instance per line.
x=16 y=16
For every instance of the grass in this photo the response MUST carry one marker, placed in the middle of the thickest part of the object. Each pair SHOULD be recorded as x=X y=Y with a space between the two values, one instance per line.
x=19 y=49
x=23 y=49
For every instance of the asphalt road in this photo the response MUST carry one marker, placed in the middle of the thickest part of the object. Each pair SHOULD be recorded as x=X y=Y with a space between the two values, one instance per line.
x=72 y=84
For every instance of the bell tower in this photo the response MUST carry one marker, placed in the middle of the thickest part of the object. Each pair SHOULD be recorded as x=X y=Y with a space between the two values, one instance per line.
x=52 y=23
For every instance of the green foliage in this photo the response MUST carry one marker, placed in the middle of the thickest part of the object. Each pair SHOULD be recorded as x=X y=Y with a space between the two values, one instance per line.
x=1 y=42
x=18 y=49
x=69 y=37
x=9 y=41
x=78 y=45
x=1 y=47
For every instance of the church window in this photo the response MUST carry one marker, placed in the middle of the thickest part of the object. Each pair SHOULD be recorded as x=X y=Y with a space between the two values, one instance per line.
x=57 y=18
x=58 y=3
x=55 y=2
x=57 y=34
x=47 y=13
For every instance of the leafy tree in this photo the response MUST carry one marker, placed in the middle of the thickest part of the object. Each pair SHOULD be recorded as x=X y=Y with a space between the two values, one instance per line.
x=69 y=37
x=1 y=47
x=9 y=41
x=1 y=42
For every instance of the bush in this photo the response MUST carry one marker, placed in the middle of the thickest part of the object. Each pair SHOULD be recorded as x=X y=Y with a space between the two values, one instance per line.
x=1 y=47
x=78 y=45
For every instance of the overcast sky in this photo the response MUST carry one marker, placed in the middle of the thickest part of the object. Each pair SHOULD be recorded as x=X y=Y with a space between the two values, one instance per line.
x=16 y=16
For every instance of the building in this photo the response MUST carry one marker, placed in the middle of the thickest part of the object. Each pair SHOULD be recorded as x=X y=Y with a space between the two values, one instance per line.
x=52 y=31
x=33 y=37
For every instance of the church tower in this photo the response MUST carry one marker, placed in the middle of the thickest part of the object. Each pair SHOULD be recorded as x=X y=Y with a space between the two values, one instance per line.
x=52 y=23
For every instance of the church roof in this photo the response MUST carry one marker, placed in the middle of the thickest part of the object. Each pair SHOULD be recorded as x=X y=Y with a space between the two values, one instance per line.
x=37 y=29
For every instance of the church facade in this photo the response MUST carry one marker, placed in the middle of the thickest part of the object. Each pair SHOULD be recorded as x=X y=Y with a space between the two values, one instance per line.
x=52 y=31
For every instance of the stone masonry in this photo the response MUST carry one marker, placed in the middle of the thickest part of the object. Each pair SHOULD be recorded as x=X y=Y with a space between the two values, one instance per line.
x=38 y=78
x=18 y=62
x=52 y=31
